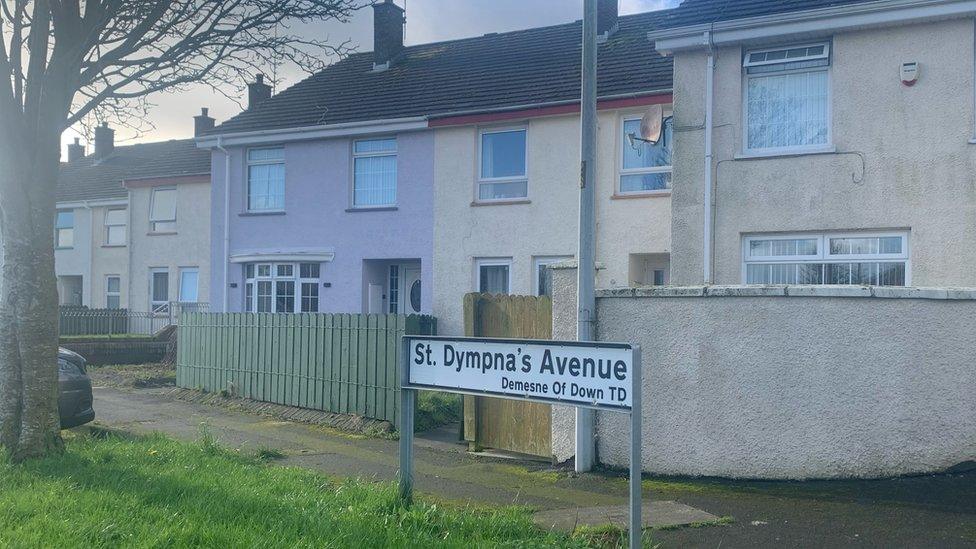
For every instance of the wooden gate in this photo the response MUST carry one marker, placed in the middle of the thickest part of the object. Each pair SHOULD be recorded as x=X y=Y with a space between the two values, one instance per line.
x=516 y=426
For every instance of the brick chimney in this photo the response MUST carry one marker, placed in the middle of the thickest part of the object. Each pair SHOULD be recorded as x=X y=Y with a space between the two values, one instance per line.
x=76 y=151
x=607 y=12
x=202 y=123
x=388 y=21
x=104 y=141
x=257 y=92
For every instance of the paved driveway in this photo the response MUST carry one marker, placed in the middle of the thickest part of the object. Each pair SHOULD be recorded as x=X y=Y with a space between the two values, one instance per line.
x=937 y=511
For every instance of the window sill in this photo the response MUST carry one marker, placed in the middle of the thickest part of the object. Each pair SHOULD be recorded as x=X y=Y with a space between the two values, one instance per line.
x=479 y=203
x=972 y=141
x=362 y=209
x=113 y=245
x=259 y=214
x=161 y=233
x=63 y=248
x=784 y=153
x=645 y=194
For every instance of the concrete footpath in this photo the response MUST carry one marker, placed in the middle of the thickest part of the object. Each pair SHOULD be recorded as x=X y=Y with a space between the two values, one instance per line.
x=936 y=511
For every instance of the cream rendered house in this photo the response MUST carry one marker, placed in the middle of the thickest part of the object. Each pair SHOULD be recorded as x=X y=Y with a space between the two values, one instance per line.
x=506 y=180
x=842 y=139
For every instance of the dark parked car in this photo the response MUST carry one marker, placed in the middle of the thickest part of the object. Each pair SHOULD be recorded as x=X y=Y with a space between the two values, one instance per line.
x=75 y=395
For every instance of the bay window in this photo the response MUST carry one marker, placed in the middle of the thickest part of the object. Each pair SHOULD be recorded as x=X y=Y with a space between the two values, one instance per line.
x=374 y=173
x=868 y=259
x=787 y=99
x=645 y=167
x=281 y=287
x=266 y=180
x=503 y=168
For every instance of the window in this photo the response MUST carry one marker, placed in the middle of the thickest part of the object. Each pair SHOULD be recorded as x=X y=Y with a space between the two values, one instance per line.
x=859 y=259
x=494 y=276
x=113 y=292
x=115 y=227
x=375 y=172
x=281 y=287
x=189 y=285
x=64 y=229
x=645 y=167
x=787 y=98
x=394 y=289
x=542 y=286
x=503 y=165
x=162 y=210
x=265 y=180
x=159 y=290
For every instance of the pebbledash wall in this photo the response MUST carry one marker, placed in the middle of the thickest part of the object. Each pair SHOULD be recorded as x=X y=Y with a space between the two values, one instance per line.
x=788 y=382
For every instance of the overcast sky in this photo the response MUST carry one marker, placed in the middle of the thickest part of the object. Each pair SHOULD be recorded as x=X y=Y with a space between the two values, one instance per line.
x=427 y=21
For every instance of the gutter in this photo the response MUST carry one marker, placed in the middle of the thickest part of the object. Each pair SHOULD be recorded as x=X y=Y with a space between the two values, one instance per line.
x=818 y=21
x=564 y=102
x=283 y=135
x=226 y=252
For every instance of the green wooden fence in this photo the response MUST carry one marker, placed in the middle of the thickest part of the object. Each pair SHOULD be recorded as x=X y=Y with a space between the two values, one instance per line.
x=343 y=363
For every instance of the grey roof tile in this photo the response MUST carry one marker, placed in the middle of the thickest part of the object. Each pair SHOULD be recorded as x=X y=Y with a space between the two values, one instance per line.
x=697 y=12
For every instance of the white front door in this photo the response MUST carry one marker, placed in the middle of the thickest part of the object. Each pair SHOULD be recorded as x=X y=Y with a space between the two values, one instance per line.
x=410 y=291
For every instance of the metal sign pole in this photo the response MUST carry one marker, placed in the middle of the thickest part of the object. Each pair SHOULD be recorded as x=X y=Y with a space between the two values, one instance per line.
x=635 y=452
x=407 y=402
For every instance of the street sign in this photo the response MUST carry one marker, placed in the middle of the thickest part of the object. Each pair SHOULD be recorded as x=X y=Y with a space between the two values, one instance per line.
x=603 y=376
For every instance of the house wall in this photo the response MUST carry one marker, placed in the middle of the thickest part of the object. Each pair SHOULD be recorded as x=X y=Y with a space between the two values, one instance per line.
x=547 y=224
x=902 y=157
x=189 y=246
x=318 y=183
x=745 y=382
x=106 y=260
x=77 y=260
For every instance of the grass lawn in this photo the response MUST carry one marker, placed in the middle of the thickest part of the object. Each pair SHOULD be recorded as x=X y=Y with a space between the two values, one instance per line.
x=156 y=492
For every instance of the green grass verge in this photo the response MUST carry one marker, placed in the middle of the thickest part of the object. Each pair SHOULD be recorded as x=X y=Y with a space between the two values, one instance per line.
x=436 y=409
x=156 y=492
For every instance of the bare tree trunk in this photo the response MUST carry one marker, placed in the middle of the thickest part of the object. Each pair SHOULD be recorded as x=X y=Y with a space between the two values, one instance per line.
x=29 y=423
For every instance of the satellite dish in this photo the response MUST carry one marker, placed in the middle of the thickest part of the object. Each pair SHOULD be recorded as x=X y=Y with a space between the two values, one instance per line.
x=651 y=127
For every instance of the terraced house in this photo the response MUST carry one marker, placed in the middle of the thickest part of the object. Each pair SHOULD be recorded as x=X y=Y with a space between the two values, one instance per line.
x=132 y=226
x=400 y=179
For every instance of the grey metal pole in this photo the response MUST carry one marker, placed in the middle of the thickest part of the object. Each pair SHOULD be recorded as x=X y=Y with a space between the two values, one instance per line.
x=587 y=264
x=407 y=402
x=635 y=452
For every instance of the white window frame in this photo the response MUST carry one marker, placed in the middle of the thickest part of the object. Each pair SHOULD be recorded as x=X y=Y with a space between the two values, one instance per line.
x=480 y=180
x=158 y=306
x=57 y=230
x=109 y=293
x=109 y=226
x=823 y=254
x=396 y=176
x=492 y=262
x=247 y=177
x=152 y=200
x=621 y=171
x=183 y=271
x=537 y=263
x=746 y=77
x=273 y=277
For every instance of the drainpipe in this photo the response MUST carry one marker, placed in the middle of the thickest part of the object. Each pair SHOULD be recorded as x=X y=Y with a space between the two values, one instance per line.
x=707 y=201
x=225 y=266
x=973 y=140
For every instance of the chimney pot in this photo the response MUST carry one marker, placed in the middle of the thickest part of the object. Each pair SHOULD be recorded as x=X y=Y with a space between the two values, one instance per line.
x=104 y=141
x=202 y=123
x=76 y=151
x=388 y=21
x=608 y=12
x=257 y=92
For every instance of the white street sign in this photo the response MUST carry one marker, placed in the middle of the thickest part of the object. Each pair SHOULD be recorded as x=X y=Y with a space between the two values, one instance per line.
x=596 y=375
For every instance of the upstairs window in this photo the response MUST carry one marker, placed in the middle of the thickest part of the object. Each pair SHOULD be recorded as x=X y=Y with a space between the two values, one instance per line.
x=375 y=172
x=879 y=259
x=115 y=227
x=503 y=165
x=787 y=99
x=266 y=180
x=64 y=229
x=162 y=210
x=645 y=167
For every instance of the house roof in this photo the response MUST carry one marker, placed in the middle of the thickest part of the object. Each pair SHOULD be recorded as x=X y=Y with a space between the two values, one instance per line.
x=698 y=12
x=87 y=179
x=521 y=68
